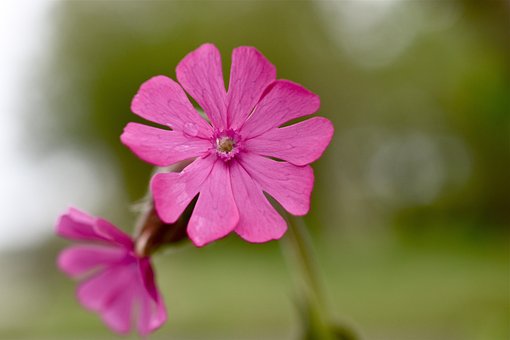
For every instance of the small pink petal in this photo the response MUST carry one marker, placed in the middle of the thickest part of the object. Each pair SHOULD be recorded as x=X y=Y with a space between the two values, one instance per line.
x=215 y=214
x=111 y=293
x=283 y=101
x=96 y=292
x=147 y=275
x=200 y=74
x=118 y=315
x=299 y=144
x=258 y=220
x=162 y=147
x=162 y=100
x=152 y=314
x=113 y=234
x=173 y=191
x=79 y=260
x=250 y=74
x=290 y=185
x=78 y=225
x=80 y=216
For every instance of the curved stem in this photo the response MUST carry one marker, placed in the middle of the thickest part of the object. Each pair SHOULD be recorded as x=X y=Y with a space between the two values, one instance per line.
x=299 y=254
x=298 y=251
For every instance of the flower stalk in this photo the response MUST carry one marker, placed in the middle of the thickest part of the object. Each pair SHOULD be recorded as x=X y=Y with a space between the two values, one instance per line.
x=152 y=233
x=298 y=252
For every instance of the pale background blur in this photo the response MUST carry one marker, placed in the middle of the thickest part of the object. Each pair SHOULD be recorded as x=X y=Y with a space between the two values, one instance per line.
x=411 y=208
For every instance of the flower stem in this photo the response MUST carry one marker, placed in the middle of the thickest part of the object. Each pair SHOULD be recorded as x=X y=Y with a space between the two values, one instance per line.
x=298 y=252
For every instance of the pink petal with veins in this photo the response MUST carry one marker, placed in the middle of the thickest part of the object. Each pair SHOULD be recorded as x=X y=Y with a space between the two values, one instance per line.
x=284 y=101
x=173 y=191
x=289 y=184
x=215 y=214
x=250 y=74
x=200 y=74
x=161 y=100
x=162 y=147
x=258 y=220
x=299 y=144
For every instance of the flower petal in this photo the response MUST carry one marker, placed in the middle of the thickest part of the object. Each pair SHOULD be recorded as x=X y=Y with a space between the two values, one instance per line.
x=78 y=225
x=147 y=275
x=111 y=293
x=290 y=185
x=119 y=314
x=162 y=147
x=258 y=220
x=201 y=75
x=215 y=214
x=173 y=191
x=299 y=144
x=162 y=100
x=283 y=101
x=250 y=74
x=113 y=234
x=152 y=314
x=79 y=260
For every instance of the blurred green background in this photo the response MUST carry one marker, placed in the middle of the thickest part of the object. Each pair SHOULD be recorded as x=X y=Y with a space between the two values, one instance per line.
x=411 y=206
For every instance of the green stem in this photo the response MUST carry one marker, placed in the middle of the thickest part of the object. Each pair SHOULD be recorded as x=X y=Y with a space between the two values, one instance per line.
x=298 y=251
x=299 y=254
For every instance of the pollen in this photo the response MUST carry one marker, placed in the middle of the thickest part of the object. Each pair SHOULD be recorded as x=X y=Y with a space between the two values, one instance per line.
x=225 y=144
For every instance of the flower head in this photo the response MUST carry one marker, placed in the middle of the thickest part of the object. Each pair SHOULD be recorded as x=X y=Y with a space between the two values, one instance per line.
x=117 y=284
x=239 y=153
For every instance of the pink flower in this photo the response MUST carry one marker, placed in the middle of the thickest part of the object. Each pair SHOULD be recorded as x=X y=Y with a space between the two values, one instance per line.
x=118 y=284
x=235 y=151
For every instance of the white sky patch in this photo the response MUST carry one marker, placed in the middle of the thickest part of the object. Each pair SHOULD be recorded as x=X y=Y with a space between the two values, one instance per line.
x=34 y=192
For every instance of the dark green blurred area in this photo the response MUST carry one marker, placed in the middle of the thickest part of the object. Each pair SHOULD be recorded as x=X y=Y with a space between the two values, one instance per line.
x=411 y=207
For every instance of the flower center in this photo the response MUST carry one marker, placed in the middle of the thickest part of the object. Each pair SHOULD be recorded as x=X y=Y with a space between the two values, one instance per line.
x=227 y=144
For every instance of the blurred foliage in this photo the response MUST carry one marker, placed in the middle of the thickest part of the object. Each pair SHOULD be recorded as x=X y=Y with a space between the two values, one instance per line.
x=446 y=96
x=411 y=204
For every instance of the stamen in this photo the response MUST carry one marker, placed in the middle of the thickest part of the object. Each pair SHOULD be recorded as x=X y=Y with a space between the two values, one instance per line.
x=225 y=144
